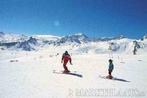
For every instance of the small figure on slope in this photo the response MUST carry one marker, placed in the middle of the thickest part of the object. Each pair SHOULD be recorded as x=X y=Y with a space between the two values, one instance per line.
x=111 y=50
x=135 y=47
x=110 y=69
x=65 y=58
x=134 y=50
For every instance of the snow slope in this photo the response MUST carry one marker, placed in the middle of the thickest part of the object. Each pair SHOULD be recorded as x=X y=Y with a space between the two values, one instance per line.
x=30 y=75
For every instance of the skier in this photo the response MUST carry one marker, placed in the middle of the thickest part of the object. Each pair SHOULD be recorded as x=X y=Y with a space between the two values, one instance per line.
x=110 y=69
x=134 y=50
x=110 y=50
x=65 y=58
x=135 y=47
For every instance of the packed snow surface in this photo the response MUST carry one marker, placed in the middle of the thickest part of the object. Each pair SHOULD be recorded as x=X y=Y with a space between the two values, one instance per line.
x=30 y=75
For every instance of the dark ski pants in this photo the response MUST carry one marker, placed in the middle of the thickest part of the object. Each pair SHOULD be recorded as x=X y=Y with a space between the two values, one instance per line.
x=109 y=72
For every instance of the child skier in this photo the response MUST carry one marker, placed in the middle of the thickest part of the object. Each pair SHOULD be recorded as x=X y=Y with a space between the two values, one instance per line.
x=65 y=58
x=110 y=69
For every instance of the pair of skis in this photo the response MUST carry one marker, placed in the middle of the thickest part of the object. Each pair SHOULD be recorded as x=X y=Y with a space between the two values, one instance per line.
x=74 y=73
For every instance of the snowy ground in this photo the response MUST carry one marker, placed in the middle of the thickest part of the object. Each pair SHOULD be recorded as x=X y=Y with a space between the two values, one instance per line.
x=31 y=76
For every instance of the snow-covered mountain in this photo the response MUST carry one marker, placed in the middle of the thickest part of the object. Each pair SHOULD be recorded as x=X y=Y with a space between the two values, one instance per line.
x=73 y=39
x=109 y=38
x=9 y=37
x=1 y=34
x=145 y=37
x=79 y=43
x=23 y=42
x=27 y=45
x=46 y=37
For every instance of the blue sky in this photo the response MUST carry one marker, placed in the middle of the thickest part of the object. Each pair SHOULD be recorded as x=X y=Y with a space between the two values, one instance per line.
x=95 y=18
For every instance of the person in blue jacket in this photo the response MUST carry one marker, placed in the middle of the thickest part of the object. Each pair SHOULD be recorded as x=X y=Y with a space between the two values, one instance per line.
x=110 y=69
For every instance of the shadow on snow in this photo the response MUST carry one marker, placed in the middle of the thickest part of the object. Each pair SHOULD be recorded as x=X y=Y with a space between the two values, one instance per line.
x=114 y=78
x=70 y=73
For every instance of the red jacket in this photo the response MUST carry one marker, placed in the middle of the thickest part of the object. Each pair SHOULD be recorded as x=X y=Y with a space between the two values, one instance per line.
x=66 y=58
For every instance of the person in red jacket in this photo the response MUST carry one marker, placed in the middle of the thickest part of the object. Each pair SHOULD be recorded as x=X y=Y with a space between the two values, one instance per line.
x=65 y=58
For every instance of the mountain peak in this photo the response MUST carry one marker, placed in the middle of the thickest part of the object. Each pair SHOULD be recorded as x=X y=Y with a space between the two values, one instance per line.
x=1 y=33
x=76 y=38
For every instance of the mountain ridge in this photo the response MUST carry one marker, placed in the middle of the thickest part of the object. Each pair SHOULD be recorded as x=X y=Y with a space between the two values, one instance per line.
x=79 y=42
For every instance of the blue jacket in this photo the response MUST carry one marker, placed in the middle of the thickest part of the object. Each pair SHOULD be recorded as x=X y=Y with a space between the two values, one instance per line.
x=111 y=66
